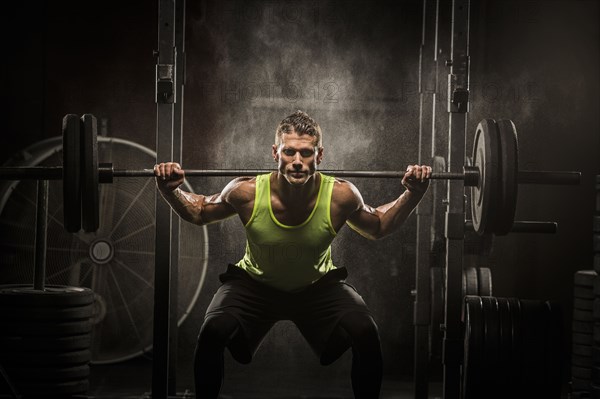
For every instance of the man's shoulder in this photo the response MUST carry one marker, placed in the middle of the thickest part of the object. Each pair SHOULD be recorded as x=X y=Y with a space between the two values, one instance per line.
x=345 y=194
x=240 y=190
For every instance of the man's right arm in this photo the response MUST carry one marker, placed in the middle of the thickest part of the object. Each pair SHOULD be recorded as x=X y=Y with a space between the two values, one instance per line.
x=195 y=208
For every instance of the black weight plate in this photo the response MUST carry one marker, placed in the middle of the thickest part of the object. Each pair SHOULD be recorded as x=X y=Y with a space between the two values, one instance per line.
x=597 y=263
x=583 y=304
x=584 y=373
x=471 y=281
x=596 y=227
x=582 y=315
x=90 y=192
x=596 y=375
x=484 y=197
x=436 y=275
x=53 y=295
x=473 y=384
x=484 y=280
x=582 y=327
x=517 y=343
x=584 y=278
x=583 y=339
x=491 y=346
x=71 y=173
x=45 y=344
x=509 y=161
x=596 y=309
x=48 y=373
x=582 y=350
x=581 y=360
x=47 y=313
x=54 y=389
x=578 y=384
x=34 y=359
x=45 y=329
x=504 y=360
x=583 y=292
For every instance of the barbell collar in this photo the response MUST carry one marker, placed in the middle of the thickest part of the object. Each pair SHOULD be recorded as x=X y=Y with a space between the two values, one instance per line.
x=549 y=177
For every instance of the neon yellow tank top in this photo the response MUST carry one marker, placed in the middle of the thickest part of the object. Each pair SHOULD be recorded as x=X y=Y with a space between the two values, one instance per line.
x=288 y=258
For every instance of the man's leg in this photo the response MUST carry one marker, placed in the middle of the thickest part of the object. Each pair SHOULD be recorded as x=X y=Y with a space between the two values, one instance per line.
x=367 y=363
x=215 y=334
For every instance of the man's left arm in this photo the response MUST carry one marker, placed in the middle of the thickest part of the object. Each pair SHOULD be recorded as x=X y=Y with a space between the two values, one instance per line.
x=374 y=223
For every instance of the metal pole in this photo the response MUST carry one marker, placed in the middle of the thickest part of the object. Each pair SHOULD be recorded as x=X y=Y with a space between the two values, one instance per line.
x=458 y=106
x=41 y=233
x=165 y=96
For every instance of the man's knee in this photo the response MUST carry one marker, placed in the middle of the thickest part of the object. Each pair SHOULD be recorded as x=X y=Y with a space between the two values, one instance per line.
x=361 y=328
x=218 y=329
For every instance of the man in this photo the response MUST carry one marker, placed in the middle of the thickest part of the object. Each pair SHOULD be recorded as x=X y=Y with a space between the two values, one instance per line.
x=291 y=217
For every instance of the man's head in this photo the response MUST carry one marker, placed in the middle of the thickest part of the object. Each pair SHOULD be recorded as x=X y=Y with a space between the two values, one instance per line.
x=298 y=147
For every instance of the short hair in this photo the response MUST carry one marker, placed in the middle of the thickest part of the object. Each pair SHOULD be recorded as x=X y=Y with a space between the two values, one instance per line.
x=300 y=123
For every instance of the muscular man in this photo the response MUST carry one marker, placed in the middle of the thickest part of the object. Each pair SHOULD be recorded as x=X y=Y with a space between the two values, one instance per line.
x=291 y=216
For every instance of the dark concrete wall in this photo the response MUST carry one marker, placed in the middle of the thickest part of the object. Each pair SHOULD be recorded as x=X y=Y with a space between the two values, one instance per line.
x=353 y=65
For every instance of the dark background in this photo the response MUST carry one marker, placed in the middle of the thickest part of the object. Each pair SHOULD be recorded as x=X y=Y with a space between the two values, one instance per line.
x=353 y=66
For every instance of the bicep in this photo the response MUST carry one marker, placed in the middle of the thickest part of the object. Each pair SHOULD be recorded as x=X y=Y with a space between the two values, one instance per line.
x=361 y=218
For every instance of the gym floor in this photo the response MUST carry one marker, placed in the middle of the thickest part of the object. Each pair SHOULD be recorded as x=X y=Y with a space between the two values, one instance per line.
x=132 y=379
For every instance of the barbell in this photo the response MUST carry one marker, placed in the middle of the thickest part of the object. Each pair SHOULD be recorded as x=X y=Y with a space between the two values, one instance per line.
x=493 y=177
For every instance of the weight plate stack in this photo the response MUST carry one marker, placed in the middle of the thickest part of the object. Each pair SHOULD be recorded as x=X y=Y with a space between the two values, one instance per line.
x=45 y=339
x=512 y=349
x=584 y=304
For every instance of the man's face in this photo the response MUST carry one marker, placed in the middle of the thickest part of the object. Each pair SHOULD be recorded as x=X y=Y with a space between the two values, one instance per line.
x=297 y=157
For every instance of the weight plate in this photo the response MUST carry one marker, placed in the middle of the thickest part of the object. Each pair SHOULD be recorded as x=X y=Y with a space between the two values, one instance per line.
x=484 y=275
x=583 y=339
x=484 y=196
x=505 y=349
x=583 y=292
x=581 y=360
x=517 y=348
x=491 y=346
x=584 y=373
x=47 y=313
x=582 y=315
x=54 y=389
x=596 y=309
x=15 y=295
x=582 y=350
x=90 y=192
x=596 y=223
x=33 y=329
x=473 y=385
x=584 y=278
x=10 y=360
x=583 y=304
x=71 y=173
x=582 y=327
x=471 y=281
x=533 y=322
x=48 y=373
x=45 y=344
x=554 y=350
x=436 y=275
x=578 y=384
x=508 y=185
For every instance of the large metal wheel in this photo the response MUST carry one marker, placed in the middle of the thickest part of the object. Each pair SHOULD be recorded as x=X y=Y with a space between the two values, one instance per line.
x=116 y=262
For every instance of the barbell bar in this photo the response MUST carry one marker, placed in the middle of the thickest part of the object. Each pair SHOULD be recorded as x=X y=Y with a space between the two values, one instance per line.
x=493 y=175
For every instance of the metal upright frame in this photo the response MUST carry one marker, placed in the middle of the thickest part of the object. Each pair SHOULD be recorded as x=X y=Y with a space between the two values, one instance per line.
x=169 y=111
x=458 y=107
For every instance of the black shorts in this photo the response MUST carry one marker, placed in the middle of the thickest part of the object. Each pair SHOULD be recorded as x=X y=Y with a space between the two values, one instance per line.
x=316 y=310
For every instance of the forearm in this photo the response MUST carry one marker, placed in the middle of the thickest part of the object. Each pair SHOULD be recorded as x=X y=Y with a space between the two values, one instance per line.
x=187 y=205
x=392 y=215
